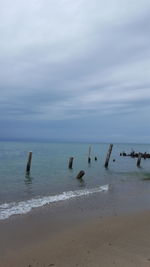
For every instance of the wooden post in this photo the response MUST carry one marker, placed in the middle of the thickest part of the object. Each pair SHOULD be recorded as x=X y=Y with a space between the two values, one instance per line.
x=80 y=174
x=89 y=160
x=108 y=155
x=89 y=156
x=139 y=160
x=70 y=163
x=29 y=163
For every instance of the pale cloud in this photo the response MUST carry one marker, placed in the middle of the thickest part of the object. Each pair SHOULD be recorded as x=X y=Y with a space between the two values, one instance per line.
x=72 y=60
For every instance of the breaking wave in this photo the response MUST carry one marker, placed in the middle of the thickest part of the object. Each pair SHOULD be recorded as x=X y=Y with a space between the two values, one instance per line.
x=22 y=207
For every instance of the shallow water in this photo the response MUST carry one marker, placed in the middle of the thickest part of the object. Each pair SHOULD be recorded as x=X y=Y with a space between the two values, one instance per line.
x=50 y=175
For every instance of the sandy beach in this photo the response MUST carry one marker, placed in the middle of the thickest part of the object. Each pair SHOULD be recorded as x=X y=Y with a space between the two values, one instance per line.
x=122 y=240
x=109 y=228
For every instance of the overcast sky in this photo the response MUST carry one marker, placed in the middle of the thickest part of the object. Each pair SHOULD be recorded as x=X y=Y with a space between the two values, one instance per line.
x=75 y=70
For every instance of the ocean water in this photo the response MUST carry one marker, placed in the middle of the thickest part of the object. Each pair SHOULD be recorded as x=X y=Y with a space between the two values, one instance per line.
x=50 y=180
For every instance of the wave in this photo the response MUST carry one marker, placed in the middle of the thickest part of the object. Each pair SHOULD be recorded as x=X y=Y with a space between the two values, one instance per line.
x=16 y=208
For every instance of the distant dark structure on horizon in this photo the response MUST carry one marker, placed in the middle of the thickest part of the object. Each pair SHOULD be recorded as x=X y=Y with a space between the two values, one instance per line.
x=134 y=154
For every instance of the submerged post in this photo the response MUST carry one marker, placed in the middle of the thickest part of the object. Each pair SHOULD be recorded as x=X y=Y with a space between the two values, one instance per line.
x=80 y=174
x=139 y=160
x=108 y=155
x=89 y=156
x=70 y=163
x=29 y=162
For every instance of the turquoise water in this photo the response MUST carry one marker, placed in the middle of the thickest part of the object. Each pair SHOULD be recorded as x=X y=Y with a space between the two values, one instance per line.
x=50 y=175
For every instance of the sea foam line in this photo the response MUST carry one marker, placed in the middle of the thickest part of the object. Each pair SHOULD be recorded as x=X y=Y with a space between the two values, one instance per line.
x=14 y=208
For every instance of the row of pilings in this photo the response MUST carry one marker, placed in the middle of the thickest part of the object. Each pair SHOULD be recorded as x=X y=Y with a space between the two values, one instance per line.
x=82 y=172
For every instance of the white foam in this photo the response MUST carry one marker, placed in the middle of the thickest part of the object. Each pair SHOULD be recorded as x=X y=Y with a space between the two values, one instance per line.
x=9 y=209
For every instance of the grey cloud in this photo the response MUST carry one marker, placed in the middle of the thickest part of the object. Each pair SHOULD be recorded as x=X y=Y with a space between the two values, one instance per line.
x=66 y=60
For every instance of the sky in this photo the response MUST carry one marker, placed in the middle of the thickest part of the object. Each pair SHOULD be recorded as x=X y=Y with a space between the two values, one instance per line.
x=75 y=70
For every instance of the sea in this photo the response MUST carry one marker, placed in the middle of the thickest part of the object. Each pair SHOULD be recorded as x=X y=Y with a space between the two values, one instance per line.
x=50 y=180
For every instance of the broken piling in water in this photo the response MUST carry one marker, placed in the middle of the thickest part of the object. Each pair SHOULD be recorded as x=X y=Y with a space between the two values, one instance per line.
x=108 y=155
x=28 y=167
x=80 y=174
x=70 y=163
x=139 y=160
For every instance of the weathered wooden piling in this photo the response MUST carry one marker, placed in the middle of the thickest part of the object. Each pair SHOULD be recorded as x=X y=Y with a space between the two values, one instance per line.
x=139 y=160
x=108 y=155
x=80 y=174
x=29 y=162
x=89 y=160
x=89 y=155
x=70 y=163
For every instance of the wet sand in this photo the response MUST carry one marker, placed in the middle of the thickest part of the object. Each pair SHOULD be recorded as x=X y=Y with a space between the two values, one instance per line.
x=113 y=241
x=121 y=241
x=95 y=231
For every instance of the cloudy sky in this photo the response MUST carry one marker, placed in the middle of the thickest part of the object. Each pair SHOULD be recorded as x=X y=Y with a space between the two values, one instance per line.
x=75 y=70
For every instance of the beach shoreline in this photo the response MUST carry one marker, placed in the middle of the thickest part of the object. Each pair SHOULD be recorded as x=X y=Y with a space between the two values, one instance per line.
x=87 y=231
x=107 y=241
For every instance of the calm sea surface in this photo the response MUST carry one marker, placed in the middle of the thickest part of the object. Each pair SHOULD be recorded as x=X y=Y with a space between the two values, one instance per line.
x=50 y=175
